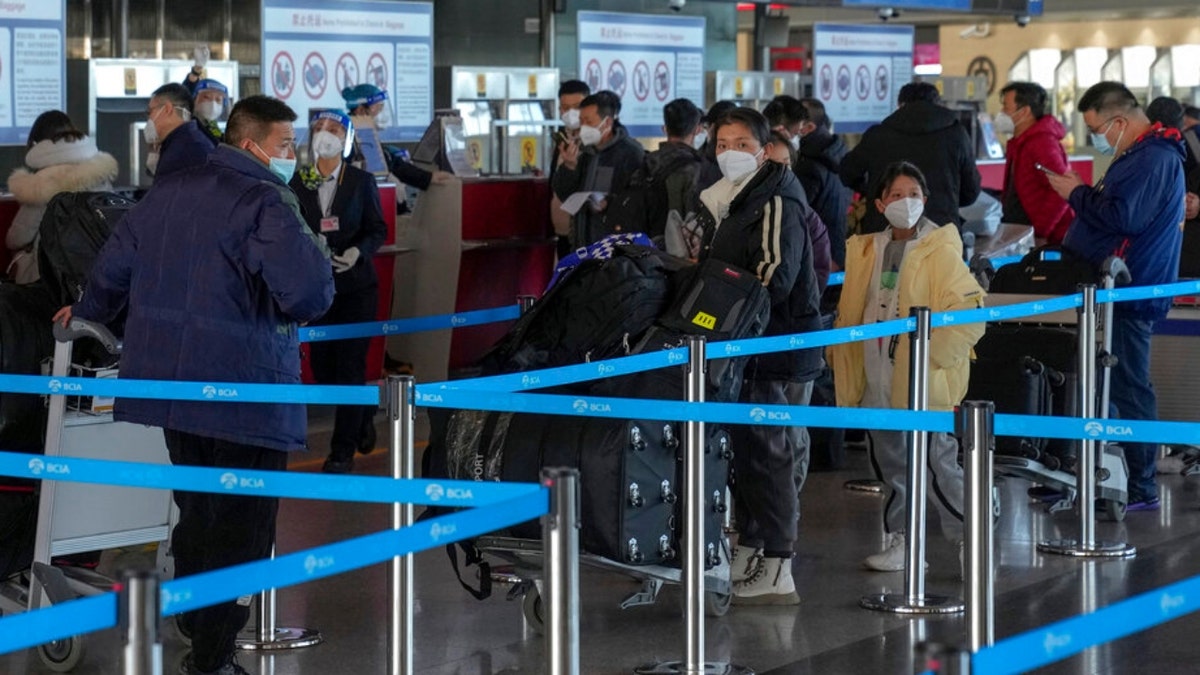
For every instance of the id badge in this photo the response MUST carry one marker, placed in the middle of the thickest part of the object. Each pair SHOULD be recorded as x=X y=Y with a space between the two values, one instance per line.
x=329 y=224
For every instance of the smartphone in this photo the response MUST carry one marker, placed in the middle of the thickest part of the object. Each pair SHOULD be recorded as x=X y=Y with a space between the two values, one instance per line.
x=1044 y=170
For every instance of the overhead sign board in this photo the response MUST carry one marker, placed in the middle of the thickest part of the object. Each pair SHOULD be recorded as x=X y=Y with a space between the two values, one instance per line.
x=858 y=71
x=313 y=49
x=647 y=60
x=33 y=65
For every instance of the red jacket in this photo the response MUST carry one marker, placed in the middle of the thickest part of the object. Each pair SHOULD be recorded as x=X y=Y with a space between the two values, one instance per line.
x=1028 y=197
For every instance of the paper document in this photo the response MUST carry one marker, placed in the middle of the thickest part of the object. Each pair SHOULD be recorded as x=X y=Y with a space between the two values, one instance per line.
x=576 y=201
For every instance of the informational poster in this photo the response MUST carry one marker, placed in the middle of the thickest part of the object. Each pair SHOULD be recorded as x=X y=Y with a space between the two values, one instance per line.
x=647 y=60
x=33 y=65
x=313 y=49
x=858 y=71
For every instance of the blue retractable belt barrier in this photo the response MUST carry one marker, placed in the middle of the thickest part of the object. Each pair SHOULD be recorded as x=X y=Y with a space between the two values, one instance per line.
x=415 y=325
x=236 y=392
x=1027 y=651
x=201 y=590
x=371 y=489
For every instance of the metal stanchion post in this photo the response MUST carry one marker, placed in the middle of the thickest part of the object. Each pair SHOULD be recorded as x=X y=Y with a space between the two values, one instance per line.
x=139 y=618
x=693 y=545
x=402 y=412
x=1086 y=545
x=915 y=600
x=560 y=536
x=974 y=425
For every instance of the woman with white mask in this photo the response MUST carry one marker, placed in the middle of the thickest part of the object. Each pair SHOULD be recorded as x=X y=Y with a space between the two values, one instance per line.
x=752 y=218
x=341 y=205
x=913 y=263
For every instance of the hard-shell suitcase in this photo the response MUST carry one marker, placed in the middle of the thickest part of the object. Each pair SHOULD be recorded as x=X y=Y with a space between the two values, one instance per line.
x=1047 y=270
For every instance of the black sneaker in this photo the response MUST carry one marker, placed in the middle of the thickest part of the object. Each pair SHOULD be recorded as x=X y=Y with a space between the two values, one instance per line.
x=338 y=465
x=366 y=445
x=187 y=667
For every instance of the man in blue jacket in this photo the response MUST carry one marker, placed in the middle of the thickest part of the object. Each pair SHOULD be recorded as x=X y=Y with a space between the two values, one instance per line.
x=1135 y=212
x=217 y=270
x=175 y=139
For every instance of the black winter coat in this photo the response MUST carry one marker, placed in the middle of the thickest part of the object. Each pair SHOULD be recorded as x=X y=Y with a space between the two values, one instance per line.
x=360 y=224
x=929 y=136
x=607 y=170
x=817 y=167
x=765 y=233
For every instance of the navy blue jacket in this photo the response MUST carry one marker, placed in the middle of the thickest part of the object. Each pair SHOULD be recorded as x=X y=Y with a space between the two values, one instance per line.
x=186 y=147
x=1135 y=212
x=360 y=224
x=216 y=268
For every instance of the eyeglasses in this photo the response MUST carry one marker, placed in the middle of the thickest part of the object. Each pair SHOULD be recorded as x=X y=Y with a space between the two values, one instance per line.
x=1110 y=121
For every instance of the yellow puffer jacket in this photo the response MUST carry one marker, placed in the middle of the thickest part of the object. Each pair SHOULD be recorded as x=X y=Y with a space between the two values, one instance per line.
x=932 y=275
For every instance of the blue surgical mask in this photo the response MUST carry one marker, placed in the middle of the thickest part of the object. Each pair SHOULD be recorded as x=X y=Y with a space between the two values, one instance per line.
x=282 y=168
x=1100 y=141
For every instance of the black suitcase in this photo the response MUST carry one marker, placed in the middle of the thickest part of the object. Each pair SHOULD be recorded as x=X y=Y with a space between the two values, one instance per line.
x=630 y=475
x=70 y=236
x=1041 y=272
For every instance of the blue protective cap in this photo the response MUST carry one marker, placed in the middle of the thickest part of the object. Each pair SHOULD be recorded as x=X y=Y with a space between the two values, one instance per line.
x=363 y=94
x=328 y=114
x=210 y=84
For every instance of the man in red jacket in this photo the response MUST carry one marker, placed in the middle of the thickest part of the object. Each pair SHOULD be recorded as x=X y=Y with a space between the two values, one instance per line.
x=1036 y=140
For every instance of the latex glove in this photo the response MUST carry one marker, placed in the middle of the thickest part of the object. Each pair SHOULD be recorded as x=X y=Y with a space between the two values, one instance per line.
x=346 y=260
x=441 y=177
x=200 y=56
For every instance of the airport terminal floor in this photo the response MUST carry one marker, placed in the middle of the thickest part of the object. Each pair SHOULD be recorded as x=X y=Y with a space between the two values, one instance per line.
x=828 y=634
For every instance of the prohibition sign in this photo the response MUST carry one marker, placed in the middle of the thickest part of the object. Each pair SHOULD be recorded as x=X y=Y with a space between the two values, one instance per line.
x=843 y=82
x=346 y=71
x=881 y=82
x=283 y=75
x=641 y=81
x=826 y=82
x=316 y=75
x=662 y=81
x=593 y=75
x=862 y=82
x=616 y=78
x=377 y=71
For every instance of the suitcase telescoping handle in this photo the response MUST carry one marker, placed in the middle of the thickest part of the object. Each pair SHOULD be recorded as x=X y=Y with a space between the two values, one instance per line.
x=79 y=328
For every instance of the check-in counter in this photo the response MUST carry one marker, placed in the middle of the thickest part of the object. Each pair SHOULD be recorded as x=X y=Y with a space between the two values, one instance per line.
x=475 y=243
x=991 y=171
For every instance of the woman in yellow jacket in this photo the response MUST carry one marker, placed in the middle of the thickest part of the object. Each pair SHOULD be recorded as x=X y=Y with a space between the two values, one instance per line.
x=914 y=263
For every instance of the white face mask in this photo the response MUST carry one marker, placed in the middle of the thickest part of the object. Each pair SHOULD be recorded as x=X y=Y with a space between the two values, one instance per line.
x=327 y=145
x=384 y=119
x=570 y=118
x=736 y=165
x=795 y=141
x=589 y=135
x=903 y=214
x=699 y=139
x=209 y=111
x=1004 y=124
x=150 y=132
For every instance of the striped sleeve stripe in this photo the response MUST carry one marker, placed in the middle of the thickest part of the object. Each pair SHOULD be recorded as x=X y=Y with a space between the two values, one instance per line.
x=771 y=228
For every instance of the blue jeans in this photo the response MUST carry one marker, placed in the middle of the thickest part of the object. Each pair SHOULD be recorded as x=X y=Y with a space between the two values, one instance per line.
x=1132 y=398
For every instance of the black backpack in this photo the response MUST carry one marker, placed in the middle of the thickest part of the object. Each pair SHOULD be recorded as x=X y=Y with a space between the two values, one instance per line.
x=73 y=229
x=643 y=205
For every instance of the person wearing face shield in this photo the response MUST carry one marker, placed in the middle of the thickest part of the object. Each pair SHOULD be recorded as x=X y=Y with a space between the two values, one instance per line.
x=602 y=160
x=570 y=94
x=367 y=100
x=175 y=141
x=913 y=263
x=753 y=218
x=217 y=270
x=1135 y=212
x=1035 y=139
x=341 y=205
x=208 y=106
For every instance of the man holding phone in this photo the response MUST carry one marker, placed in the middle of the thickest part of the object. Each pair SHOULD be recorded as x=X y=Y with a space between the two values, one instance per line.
x=1035 y=147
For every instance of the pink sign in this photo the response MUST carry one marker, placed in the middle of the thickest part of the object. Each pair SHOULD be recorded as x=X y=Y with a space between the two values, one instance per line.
x=928 y=54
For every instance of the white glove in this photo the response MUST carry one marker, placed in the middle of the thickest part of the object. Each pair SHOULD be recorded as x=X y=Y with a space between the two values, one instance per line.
x=346 y=260
x=200 y=56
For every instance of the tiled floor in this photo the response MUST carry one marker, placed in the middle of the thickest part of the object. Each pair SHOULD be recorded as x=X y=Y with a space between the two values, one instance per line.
x=828 y=633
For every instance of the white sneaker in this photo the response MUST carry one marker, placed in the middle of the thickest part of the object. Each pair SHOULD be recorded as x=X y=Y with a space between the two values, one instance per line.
x=892 y=557
x=745 y=562
x=770 y=584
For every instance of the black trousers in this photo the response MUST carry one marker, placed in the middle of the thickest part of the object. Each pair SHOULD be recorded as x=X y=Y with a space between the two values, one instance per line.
x=764 y=490
x=216 y=531
x=345 y=362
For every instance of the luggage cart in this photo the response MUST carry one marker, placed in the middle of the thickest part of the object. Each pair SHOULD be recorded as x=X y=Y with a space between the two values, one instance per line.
x=80 y=517
x=1112 y=472
x=524 y=577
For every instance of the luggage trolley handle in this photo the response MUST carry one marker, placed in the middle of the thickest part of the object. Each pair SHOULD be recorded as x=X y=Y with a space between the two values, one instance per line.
x=1113 y=272
x=80 y=328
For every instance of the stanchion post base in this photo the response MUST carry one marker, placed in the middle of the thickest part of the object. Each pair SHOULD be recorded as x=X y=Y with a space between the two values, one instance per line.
x=284 y=638
x=864 y=485
x=1100 y=549
x=898 y=603
x=676 y=667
